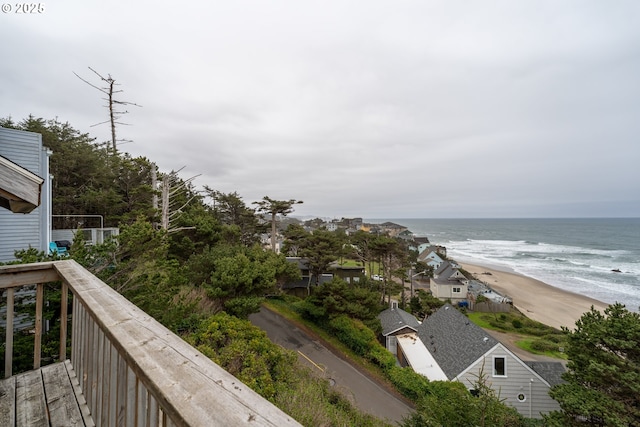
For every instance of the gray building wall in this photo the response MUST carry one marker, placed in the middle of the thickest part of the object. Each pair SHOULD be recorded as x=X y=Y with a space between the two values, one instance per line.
x=519 y=379
x=21 y=231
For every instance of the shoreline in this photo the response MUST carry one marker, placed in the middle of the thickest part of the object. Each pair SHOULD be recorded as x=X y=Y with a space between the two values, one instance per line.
x=535 y=299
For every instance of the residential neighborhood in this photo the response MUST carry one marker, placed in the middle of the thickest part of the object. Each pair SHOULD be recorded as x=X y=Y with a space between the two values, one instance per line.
x=443 y=346
x=398 y=301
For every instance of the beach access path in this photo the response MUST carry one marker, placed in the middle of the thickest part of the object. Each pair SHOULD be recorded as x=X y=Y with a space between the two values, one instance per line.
x=535 y=299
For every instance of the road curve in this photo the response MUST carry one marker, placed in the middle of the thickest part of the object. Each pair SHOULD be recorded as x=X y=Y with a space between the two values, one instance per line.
x=362 y=391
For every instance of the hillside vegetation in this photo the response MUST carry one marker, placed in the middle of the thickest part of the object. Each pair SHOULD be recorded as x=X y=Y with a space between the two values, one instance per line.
x=205 y=277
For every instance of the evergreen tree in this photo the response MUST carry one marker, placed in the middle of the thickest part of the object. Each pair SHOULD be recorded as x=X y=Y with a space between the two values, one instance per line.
x=275 y=208
x=319 y=249
x=603 y=379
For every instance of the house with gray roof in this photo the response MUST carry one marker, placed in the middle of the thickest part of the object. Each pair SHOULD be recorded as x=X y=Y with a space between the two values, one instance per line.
x=448 y=283
x=396 y=321
x=431 y=258
x=447 y=346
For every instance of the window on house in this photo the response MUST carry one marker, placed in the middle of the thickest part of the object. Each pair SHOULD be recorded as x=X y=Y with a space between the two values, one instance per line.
x=499 y=367
x=456 y=290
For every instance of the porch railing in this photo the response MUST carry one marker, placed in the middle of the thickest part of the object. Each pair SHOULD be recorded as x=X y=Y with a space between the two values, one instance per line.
x=132 y=370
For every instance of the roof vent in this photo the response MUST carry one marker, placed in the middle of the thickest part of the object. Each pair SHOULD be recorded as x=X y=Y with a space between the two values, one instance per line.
x=485 y=339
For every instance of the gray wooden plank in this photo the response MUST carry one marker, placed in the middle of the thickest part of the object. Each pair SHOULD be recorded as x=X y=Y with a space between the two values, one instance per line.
x=27 y=274
x=8 y=401
x=190 y=388
x=61 y=399
x=82 y=403
x=30 y=404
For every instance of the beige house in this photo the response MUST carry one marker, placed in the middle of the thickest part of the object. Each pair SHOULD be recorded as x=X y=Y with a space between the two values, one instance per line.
x=449 y=284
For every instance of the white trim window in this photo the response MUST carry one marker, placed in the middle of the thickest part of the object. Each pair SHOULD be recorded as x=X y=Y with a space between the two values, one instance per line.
x=456 y=290
x=499 y=366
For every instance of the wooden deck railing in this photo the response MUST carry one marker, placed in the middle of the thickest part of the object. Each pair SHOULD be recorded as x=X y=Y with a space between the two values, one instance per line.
x=132 y=370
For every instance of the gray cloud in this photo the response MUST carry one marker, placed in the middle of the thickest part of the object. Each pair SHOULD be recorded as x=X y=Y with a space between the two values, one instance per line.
x=375 y=109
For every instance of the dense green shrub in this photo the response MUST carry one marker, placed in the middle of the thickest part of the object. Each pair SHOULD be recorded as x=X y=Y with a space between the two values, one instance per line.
x=354 y=334
x=409 y=383
x=543 y=345
x=310 y=311
x=245 y=351
x=381 y=357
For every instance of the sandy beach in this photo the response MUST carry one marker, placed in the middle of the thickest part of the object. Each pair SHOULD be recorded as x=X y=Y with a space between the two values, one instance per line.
x=535 y=299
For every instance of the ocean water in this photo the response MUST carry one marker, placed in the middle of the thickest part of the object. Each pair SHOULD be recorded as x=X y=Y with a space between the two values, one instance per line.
x=577 y=255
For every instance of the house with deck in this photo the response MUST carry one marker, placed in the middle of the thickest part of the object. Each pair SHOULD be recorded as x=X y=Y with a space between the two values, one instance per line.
x=447 y=346
x=25 y=193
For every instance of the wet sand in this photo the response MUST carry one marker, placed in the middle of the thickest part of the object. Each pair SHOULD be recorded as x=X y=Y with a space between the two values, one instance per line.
x=535 y=299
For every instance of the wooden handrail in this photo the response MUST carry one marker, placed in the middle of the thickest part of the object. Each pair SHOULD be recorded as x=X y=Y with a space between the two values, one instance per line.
x=133 y=370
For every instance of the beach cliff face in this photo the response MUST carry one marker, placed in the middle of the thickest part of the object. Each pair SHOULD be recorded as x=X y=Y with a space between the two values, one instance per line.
x=535 y=299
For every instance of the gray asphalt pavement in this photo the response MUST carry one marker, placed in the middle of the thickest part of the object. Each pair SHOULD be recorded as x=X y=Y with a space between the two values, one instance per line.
x=363 y=392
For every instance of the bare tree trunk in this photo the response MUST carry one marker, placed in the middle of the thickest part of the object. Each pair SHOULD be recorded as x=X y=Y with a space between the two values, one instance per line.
x=111 y=114
x=114 y=115
x=273 y=231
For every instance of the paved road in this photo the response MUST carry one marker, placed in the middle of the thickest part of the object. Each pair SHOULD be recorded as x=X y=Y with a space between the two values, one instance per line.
x=366 y=394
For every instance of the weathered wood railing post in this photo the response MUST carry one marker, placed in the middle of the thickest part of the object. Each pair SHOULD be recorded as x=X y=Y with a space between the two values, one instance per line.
x=37 y=346
x=131 y=369
x=64 y=315
x=8 y=348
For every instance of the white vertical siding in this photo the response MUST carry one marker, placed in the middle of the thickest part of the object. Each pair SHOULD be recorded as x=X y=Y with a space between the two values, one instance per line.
x=21 y=231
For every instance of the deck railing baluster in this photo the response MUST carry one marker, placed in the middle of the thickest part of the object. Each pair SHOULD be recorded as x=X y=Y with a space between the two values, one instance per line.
x=8 y=348
x=37 y=347
x=64 y=315
x=131 y=370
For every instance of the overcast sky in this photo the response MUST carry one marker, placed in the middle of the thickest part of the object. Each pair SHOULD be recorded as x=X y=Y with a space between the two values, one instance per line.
x=377 y=109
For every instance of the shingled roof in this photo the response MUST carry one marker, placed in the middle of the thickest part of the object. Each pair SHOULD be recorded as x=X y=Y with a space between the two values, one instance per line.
x=550 y=371
x=445 y=270
x=454 y=341
x=394 y=319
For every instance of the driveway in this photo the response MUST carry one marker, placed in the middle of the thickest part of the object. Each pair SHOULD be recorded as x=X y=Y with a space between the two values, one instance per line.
x=361 y=390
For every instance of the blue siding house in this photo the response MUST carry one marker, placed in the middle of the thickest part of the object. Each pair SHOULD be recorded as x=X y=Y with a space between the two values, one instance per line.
x=23 y=151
